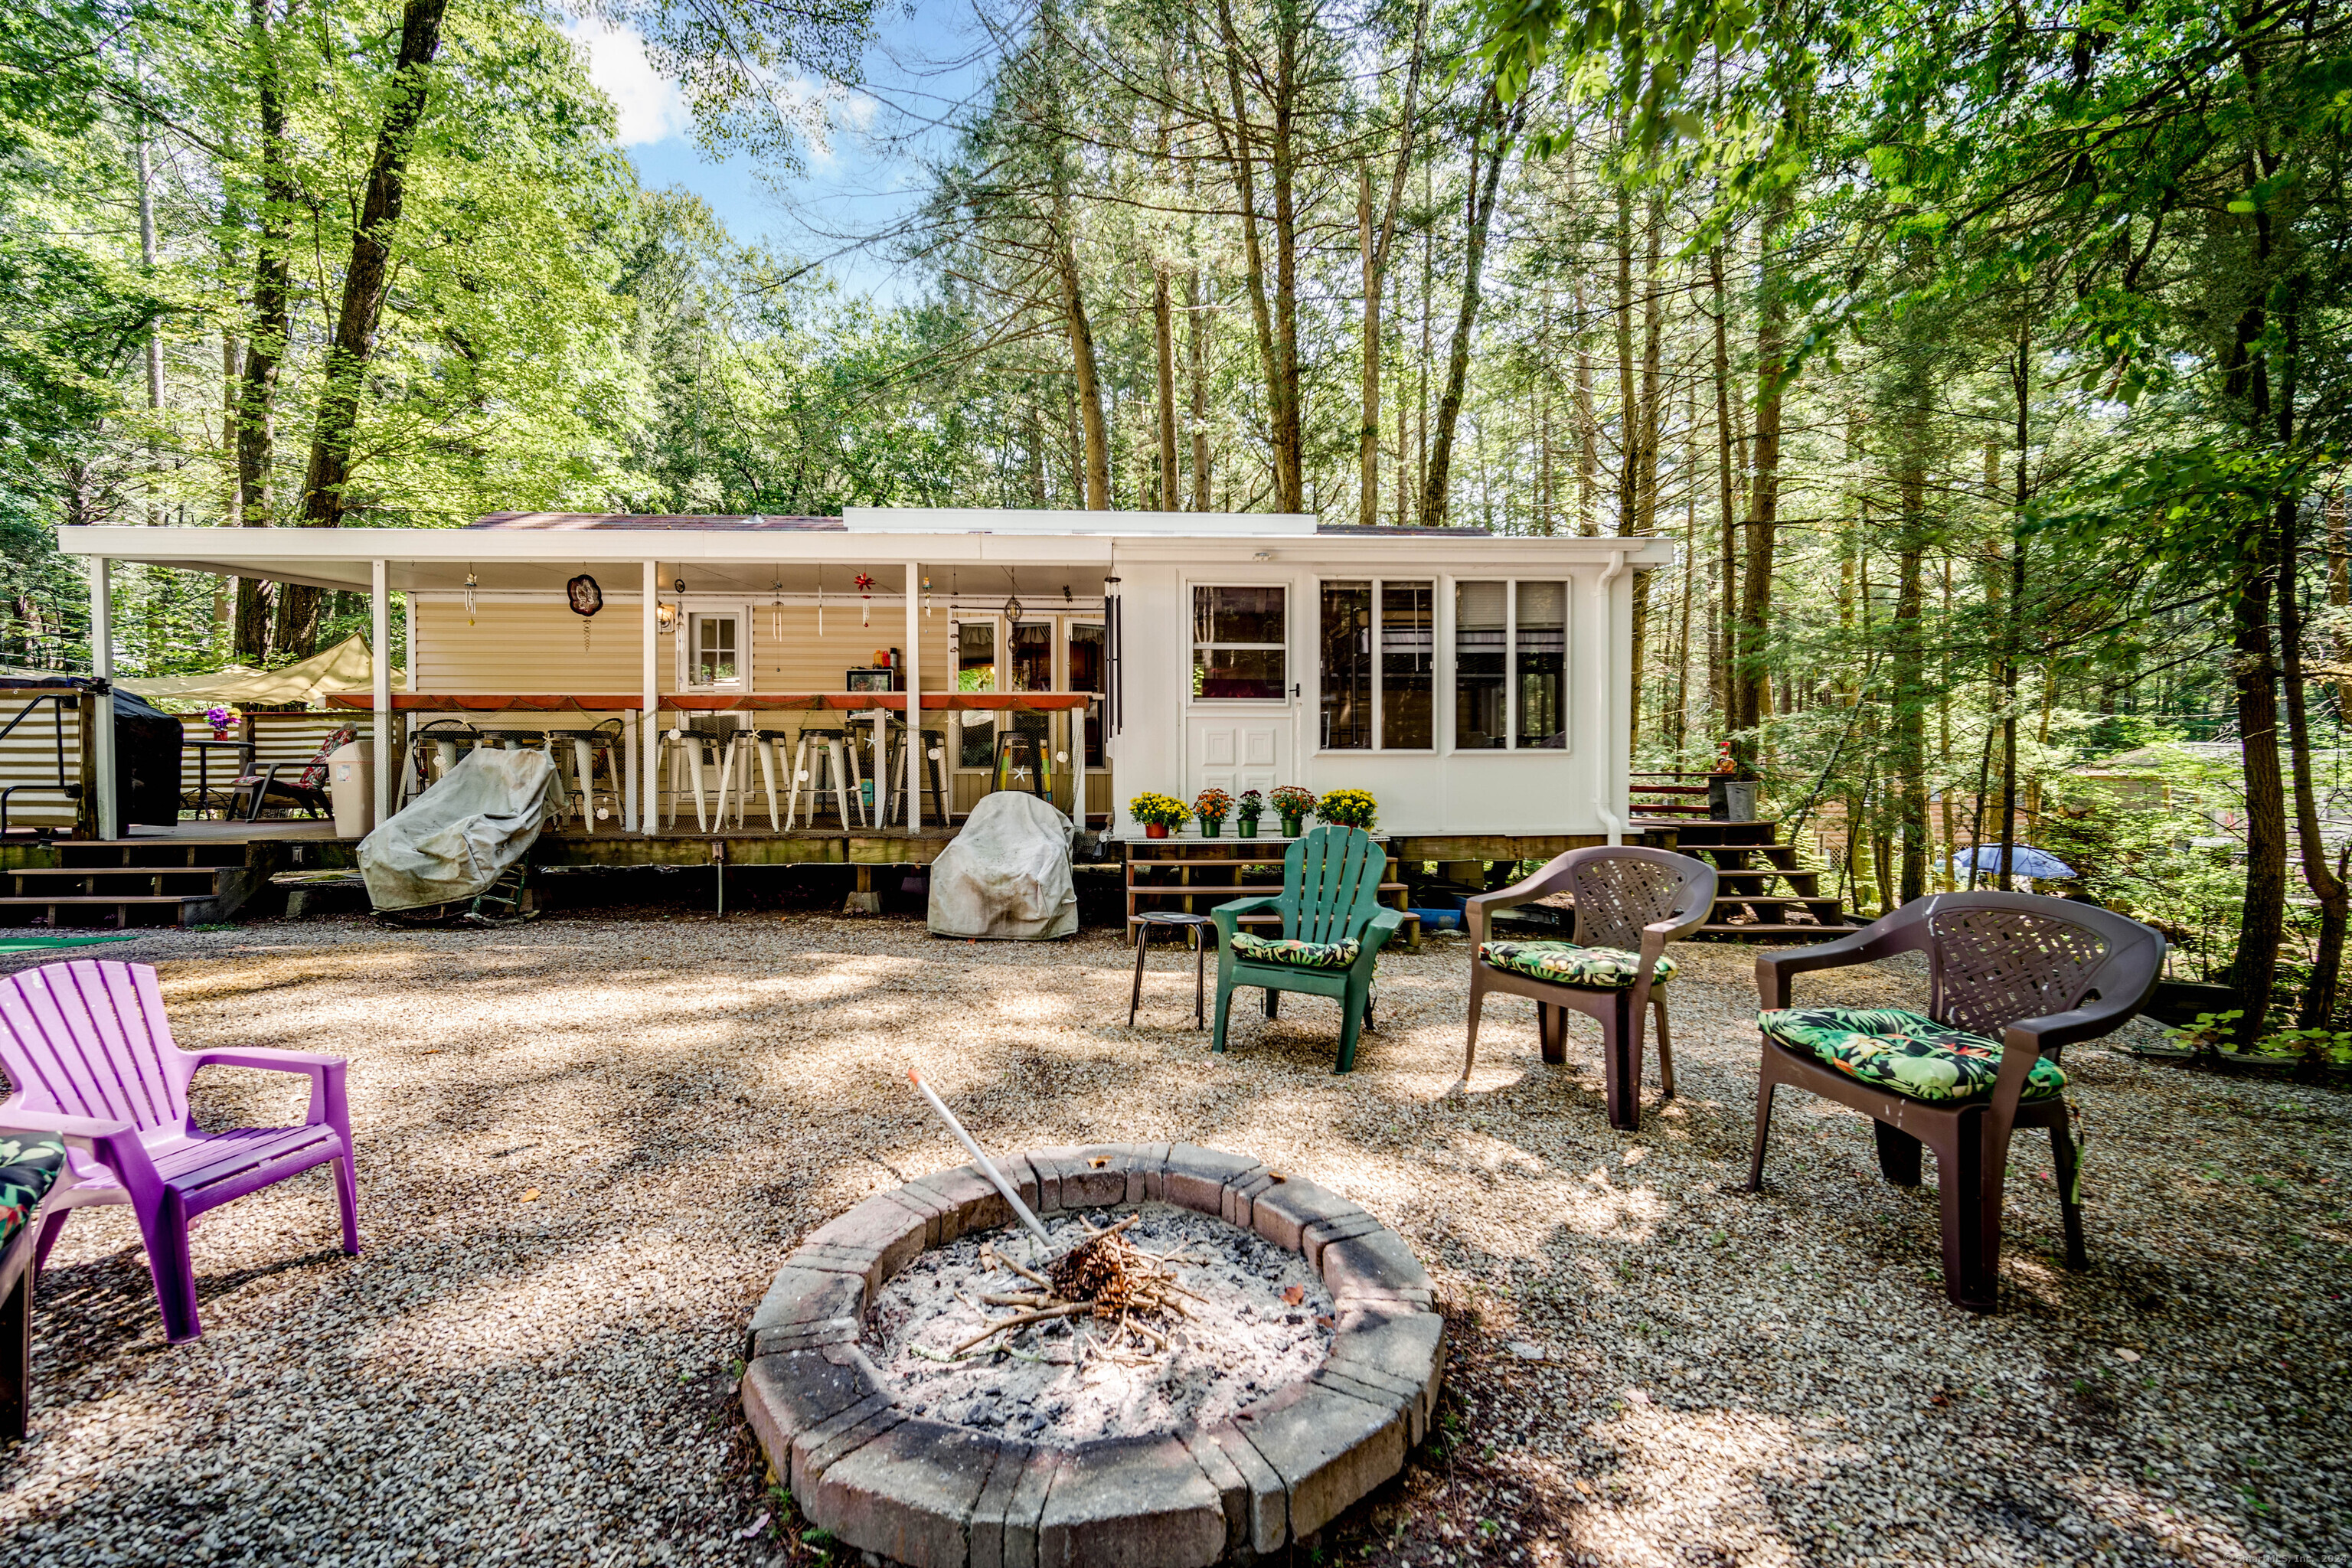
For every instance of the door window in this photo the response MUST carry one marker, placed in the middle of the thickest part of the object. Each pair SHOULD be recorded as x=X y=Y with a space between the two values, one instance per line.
x=1238 y=644
x=975 y=671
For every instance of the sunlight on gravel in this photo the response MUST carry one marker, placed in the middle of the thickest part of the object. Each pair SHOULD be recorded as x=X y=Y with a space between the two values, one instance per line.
x=584 y=1146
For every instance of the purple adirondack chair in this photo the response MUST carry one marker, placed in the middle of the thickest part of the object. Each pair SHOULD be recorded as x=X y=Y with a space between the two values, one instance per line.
x=89 y=1051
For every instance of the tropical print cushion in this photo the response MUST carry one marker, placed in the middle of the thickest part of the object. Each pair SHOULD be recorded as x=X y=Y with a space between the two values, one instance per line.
x=1907 y=1052
x=1297 y=954
x=1565 y=963
x=28 y=1167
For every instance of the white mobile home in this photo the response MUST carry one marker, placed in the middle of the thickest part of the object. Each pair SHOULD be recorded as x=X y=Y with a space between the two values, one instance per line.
x=1476 y=684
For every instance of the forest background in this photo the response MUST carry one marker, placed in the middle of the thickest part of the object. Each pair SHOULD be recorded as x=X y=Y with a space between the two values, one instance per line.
x=1986 y=363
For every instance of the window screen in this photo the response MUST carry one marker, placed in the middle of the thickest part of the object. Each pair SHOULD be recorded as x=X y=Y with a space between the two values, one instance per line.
x=1542 y=640
x=1408 y=663
x=1238 y=644
x=1481 y=619
x=1347 y=639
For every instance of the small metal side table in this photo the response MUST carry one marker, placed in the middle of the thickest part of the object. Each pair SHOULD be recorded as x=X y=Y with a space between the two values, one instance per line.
x=1204 y=934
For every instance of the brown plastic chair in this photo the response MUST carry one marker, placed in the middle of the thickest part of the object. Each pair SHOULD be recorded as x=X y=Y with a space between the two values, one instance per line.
x=1626 y=897
x=2035 y=973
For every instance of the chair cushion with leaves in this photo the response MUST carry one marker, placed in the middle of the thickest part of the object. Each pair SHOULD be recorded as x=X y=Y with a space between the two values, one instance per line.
x=29 y=1165
x=1295 y=953
x=1566 y=964
x=1910 y=1053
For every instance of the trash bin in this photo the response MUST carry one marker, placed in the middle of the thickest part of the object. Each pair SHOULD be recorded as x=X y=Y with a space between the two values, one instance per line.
x=351 y=785
x=1731 y=800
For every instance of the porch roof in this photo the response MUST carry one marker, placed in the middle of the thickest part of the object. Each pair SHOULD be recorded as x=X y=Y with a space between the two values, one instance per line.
x=1027 y=553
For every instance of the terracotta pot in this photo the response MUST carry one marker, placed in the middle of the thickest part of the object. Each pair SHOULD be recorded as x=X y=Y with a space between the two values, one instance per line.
x=1155 y=830
x=1247 y=827
x=1213 y=826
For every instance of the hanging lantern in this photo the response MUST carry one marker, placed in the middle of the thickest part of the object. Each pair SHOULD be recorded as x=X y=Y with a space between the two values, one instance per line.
x=586 y=599
x=472 y=583
x=866 y=594
x=1013 y=610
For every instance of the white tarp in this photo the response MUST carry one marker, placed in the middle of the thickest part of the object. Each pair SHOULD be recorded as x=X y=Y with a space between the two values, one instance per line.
x=1007 y=875
x=452 y=842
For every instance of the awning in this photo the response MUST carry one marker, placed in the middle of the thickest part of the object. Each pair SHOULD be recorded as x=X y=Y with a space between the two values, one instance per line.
x=711 y=702
x=339 y=671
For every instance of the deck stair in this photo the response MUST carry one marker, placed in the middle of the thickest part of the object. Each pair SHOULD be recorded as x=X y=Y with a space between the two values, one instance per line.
x=122 y=884
x=1760 y=893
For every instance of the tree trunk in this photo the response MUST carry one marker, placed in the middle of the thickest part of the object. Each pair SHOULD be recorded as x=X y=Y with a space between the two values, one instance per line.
x=1754 y=683
x=1196 y=346
x=1724 y=641
x=1276 y=320
x=1377 y=241
x=367 y=278
x=1910 y=673
x=1089 y=385
x=1503 y=125
x=269 y=328
x=1163 y=335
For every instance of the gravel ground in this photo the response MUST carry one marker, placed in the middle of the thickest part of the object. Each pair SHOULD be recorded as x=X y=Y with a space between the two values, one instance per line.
x=584 y=1144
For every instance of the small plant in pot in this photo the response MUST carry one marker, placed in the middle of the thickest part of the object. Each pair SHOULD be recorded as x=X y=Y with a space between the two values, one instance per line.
x=1212 y=807
x=1350 y=808
x=1292 y=804
x=1246 y=814
x=1158 y=813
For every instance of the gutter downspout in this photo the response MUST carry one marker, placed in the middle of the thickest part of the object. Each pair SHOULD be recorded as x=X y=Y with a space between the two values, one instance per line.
x=1613 y=815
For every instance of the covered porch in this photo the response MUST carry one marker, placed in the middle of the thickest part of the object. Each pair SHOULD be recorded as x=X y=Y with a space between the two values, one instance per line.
x=745 y=691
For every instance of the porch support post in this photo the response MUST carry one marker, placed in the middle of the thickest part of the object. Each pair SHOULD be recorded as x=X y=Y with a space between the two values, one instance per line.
x=914 y=696
x=102 y=665
x=649 y=717
x=380 y=646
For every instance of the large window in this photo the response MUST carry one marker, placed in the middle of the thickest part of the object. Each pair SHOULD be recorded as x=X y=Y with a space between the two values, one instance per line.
x=1377 y=697
x=713 y=646
x=1237 y=644
x=1510 y=666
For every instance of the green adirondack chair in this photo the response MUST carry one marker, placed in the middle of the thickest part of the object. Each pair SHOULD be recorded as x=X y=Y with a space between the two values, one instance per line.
x=1332 y=927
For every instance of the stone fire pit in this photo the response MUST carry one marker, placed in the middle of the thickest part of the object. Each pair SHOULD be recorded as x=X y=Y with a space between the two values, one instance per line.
x=922 y=1489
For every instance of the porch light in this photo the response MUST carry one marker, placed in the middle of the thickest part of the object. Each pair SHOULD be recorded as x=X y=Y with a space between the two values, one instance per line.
x=665 y=615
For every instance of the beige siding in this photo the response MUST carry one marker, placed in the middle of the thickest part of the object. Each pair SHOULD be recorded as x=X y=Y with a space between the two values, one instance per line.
x=802 y=661
x=519 y=648
x=526 y=648
x=28 y=761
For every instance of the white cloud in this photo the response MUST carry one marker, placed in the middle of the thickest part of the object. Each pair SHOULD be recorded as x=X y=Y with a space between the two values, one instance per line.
x=651 y=108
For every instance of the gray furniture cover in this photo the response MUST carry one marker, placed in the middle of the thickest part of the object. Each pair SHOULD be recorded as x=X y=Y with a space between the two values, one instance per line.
x=454 y=840
x=1006 y=877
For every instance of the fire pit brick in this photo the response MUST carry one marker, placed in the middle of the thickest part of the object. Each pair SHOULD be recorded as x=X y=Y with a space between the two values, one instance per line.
x=919 y=1490
x=1131 y=1500
x=1329 y=1447
x=909 y=1493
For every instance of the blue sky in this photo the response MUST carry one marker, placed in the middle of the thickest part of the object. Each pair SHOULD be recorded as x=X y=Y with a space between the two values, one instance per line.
x=857 y=174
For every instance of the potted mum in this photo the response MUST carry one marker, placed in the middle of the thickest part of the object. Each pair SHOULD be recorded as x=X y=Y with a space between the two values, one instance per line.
x=1245 y=814
x=1212 y=807
x=1292 y=804
x=1158 y=813
x=220 y=718
x=1350 y=808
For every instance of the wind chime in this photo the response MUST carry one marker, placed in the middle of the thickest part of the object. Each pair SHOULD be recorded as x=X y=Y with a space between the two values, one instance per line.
x=586 y=599
x=866 y=594
x=927 y=596
x=776 y=613
x=472 y=583
x=820 y=602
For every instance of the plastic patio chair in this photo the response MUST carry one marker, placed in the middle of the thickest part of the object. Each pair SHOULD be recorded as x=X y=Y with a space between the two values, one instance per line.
x=1631 y=902
x=2012 y=978
x=307 y=791
x=1333 y=924
x=88 y=1050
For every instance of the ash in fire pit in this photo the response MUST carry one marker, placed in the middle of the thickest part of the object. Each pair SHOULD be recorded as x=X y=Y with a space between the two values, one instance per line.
x=1127 y=1354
